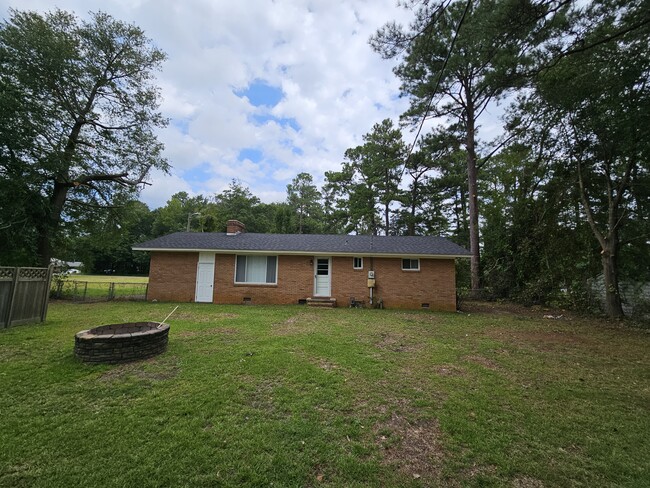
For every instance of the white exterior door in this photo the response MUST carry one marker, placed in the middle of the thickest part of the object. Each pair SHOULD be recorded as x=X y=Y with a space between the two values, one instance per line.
x=205 y=277
x=322 y=277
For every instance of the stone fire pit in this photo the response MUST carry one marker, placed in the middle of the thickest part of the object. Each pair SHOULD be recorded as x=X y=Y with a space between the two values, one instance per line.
x=121 y=343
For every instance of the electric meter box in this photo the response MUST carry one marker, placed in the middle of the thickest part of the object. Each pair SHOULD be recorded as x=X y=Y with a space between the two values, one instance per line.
x=371 y=275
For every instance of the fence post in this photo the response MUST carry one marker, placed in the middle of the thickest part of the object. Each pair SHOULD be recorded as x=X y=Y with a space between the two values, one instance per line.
x=85 y=291
x=14 y=288
x=111 y=291
x=46 y=292
x=5 y=315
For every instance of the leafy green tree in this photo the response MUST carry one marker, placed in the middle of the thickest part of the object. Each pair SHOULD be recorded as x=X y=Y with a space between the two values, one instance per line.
x=284 y=219
x=336 y=204
x=185 y=213
x=456 y=59
x=237 y=202
x=103 y=240
x=536 y=248
x=350 y=200
x=382 y=165
x=83 y=113
x=369 y=180
x=304 y=198
x=588 y=106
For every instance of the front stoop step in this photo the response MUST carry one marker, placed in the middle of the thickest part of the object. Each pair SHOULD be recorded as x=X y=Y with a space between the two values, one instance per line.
x=321 y=302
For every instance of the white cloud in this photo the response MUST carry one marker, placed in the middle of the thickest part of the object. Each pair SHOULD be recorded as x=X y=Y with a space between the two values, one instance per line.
x=161 y=187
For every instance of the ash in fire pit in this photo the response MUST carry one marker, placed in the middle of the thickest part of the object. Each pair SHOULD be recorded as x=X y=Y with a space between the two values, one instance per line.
x=121 y=343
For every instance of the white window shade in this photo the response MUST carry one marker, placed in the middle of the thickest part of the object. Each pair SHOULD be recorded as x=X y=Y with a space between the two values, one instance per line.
x=256 y=269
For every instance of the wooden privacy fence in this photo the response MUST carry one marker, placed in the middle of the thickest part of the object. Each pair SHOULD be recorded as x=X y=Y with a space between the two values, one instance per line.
x=24 y=295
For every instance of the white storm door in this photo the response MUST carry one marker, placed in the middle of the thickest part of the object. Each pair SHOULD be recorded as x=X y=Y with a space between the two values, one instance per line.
x=322 y=277
x=205 y=277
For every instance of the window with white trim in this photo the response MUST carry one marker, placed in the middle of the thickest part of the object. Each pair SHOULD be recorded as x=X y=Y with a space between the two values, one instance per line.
x=357 y=263
x=260 y=270
x=410 y=264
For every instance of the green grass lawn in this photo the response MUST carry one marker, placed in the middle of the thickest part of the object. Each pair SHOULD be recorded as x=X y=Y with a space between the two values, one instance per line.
x=293 y=396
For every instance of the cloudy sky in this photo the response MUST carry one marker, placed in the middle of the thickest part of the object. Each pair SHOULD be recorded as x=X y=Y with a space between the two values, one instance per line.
x=258 y=90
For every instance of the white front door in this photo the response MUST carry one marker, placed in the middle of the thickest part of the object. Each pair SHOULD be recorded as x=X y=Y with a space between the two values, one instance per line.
x=322 y=274
x=205 y=277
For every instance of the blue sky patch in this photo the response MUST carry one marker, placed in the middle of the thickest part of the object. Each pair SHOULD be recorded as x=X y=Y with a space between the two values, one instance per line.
x=255 y=155
x=260 y=93
x=183 y=125
x=261 y=119
x=198 y=174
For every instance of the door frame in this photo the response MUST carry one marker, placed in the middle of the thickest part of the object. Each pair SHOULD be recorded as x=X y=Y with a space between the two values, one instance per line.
x=205 y=258
x=329 y=276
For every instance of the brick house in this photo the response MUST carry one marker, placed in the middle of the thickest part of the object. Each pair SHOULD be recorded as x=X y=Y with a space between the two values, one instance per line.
x=239 y=267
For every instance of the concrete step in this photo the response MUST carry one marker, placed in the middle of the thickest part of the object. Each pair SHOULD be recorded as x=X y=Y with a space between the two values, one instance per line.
x=321 y=302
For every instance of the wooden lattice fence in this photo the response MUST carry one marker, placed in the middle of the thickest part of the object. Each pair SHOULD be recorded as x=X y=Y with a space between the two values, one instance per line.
x=24 y=295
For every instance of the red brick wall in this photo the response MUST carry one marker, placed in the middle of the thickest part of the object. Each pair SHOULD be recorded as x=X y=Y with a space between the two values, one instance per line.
x=173 y=277
x=434 y=284
x=295 y=281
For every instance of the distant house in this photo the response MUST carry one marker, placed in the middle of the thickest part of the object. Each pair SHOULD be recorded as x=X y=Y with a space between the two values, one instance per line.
x=239 y=267
x=71 y=267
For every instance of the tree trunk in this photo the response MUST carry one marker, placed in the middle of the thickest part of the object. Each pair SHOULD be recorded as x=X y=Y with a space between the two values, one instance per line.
x=472 y=180
x=608 y=240
x=50 y=223
x=613 y=304
x=411 y=224
x=387 y=217
x=387 y=203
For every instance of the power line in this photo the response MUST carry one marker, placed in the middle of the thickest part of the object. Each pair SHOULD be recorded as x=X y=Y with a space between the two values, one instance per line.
x=435 y=91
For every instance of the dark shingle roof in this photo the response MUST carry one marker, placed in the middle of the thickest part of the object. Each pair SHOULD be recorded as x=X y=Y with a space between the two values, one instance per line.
x=306 y=243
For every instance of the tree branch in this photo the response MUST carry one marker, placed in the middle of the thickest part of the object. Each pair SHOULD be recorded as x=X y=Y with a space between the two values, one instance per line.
x=585 y=203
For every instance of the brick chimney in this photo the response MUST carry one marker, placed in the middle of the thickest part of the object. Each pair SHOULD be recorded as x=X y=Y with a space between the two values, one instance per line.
x=234 y=227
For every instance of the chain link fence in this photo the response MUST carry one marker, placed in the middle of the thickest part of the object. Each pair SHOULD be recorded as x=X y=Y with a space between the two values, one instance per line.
x=93 y=291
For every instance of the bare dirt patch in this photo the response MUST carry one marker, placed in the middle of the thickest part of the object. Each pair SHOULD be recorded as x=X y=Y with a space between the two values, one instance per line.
x=260 y=396
x=396 y=343
x=479 y=470
x=424 y=318
x=515 y=309
x=527 y=482
x=449 y=370
x=414 y=448
x=482 y=361
x=323 y=363
x=296 y=324
x=540 y=339
x=154 y=369
x=327 y=365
